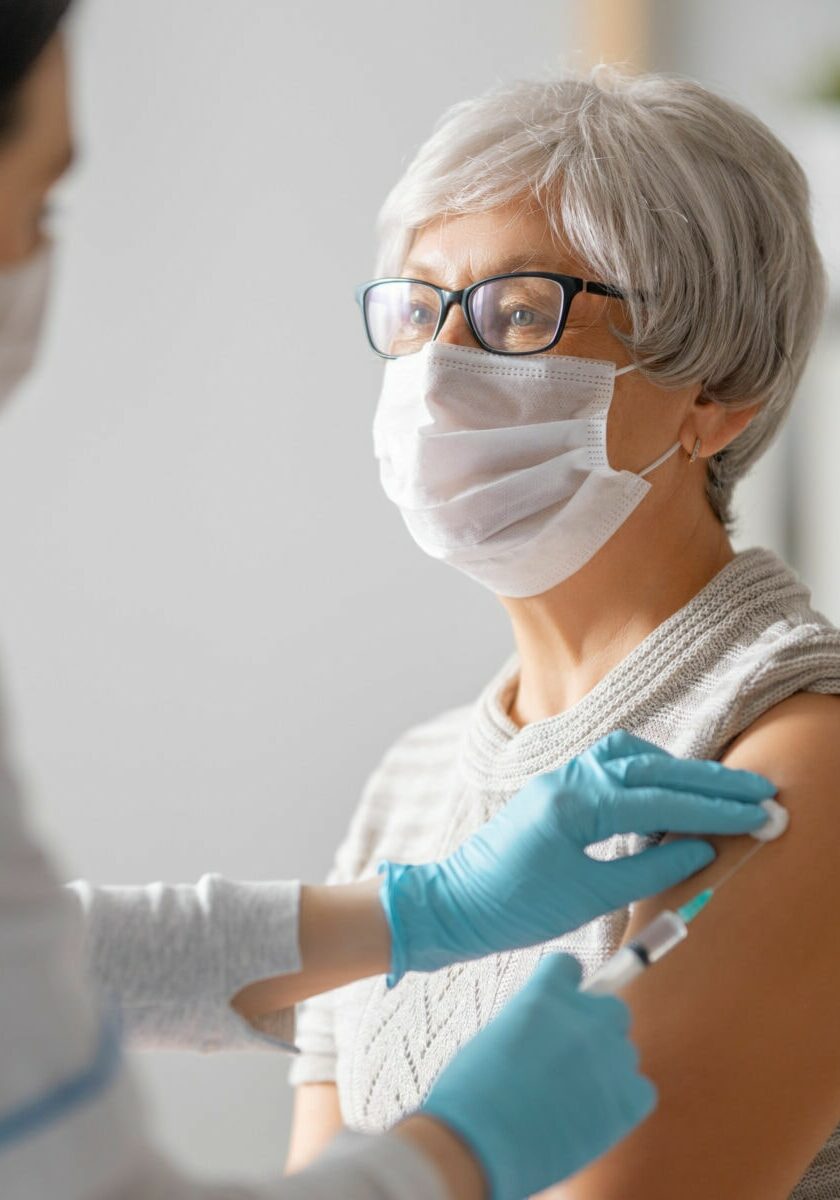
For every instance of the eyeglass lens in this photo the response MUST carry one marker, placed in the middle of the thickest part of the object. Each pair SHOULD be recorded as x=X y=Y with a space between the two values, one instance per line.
x=401 y=316
x=517 y=314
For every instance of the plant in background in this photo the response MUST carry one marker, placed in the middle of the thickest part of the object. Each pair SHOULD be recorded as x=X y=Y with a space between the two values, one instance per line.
x=827 y=81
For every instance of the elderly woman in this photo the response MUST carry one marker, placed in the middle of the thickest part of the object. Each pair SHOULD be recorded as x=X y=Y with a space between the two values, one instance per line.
x=597 y=297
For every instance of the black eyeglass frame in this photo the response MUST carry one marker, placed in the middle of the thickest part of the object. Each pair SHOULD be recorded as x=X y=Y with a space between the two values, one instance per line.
x=572 y=285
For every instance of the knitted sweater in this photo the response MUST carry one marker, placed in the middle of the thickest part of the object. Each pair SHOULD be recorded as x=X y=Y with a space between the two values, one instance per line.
x=746 y=641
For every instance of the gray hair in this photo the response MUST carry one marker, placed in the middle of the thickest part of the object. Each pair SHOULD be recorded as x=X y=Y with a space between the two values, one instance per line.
x=683 y=200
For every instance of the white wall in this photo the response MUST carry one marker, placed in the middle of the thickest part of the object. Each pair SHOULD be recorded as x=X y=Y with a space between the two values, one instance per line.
x=762 y=52
x=212 y=623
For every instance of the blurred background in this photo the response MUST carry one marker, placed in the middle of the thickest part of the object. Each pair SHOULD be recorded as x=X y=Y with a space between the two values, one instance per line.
x=212 y=623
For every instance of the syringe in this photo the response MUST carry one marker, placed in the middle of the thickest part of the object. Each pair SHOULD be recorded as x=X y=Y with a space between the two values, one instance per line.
x=657 y=939
x=668 y=928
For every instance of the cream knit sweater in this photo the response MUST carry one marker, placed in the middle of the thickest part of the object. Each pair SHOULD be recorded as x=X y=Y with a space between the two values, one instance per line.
x=746 y=641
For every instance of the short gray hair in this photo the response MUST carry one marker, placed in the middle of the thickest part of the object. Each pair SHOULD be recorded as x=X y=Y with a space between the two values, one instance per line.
x=683 y=200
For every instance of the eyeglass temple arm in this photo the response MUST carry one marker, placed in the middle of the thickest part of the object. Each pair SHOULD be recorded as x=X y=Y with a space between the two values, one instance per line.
x=604 y=289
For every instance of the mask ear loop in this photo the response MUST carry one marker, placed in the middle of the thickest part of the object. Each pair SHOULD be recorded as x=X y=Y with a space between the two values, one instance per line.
x=668 y=453
x=659 y=461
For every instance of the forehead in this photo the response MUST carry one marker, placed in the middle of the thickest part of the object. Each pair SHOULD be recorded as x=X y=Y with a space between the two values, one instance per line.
x=454 y=250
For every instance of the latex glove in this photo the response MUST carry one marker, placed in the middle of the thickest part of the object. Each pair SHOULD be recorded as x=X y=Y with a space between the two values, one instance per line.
x=525 y=877
x=547 y=1086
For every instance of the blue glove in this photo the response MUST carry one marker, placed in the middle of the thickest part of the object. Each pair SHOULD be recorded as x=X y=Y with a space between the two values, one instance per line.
x=525 y=877
x=549 y=1085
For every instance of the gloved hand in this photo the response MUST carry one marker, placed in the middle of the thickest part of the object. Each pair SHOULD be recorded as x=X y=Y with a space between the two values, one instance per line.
x=524 y=877
x=549 y=1085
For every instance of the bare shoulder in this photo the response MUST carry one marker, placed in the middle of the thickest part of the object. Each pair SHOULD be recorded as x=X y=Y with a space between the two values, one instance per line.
x=738 y=1027
x=799 y=736
x=797 y=745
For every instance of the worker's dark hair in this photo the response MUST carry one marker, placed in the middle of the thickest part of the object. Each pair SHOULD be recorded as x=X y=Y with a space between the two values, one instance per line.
x=25 y=28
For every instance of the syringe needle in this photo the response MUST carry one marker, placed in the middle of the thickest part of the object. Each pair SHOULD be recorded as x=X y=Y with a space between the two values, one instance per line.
x=698 y=902
x=737 y=866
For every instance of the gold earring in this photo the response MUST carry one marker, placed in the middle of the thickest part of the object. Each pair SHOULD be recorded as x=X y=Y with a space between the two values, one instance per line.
x=695 y=451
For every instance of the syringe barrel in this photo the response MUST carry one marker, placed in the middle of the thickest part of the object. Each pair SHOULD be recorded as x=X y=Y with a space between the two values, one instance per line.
x=664 y=932
x=619 y=969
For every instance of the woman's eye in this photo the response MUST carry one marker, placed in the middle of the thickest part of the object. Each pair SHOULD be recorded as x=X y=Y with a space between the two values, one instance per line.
x=522 y=318
x=527 y=320
x=420 y=315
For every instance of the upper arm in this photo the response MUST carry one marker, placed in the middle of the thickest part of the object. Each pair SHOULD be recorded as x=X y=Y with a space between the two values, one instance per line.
x=738 y=1026
x=316 y=1119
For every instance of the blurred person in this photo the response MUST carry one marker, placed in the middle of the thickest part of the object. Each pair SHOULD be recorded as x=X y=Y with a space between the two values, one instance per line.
x=595 y=297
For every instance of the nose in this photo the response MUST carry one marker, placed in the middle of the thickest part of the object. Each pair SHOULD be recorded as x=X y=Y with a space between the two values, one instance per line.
x=455 y=330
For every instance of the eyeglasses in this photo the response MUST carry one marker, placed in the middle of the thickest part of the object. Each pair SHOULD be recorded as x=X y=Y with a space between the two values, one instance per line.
x=520 y=313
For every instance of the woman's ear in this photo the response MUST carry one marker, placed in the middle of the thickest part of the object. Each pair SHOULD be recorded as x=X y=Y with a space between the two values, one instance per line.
x=716 y=424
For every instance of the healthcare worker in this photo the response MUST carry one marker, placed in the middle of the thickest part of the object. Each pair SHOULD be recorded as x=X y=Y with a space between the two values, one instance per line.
x=550 y=1084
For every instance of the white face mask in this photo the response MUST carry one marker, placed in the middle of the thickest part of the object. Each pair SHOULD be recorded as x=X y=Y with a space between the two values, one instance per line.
x=24 y=289
x=499 y=465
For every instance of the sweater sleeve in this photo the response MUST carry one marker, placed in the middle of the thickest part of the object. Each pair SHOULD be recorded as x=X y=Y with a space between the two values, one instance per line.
x=172 y=957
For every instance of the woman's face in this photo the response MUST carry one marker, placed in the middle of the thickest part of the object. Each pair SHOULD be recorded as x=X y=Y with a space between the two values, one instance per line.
x=34 y=154
x=452 y=252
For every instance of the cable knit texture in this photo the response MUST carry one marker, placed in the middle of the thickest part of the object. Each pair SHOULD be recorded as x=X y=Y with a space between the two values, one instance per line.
x=746 y=641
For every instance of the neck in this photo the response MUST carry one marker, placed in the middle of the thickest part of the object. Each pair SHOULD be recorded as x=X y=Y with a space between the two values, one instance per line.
x=570 y=637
